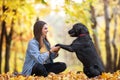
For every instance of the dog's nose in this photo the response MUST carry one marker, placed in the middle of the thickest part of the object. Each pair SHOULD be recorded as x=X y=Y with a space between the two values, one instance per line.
x=69 y=32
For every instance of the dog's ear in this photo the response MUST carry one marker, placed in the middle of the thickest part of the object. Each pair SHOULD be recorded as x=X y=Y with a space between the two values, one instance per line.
x=77 y=28
x=84 y=30
x=81 y=29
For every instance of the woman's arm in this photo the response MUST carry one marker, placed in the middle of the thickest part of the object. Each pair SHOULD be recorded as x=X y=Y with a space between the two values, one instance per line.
x=35 y=54
x=54 y=52
x=54 y=55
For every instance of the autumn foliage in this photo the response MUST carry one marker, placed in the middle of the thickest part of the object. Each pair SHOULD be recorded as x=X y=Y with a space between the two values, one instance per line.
x=71 y=75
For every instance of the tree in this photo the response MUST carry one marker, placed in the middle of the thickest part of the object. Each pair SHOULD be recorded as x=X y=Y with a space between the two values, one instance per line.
x=113 y=40
x=2 y=34
x=94 y=27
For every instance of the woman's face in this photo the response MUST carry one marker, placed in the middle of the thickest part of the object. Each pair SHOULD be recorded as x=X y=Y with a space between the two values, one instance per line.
x=44 y=30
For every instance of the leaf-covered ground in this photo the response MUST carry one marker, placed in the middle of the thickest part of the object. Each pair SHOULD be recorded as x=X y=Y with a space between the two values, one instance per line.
x=62 y=76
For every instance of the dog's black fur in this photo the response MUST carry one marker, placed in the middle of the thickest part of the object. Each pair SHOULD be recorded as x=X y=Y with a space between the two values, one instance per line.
x=85 y=50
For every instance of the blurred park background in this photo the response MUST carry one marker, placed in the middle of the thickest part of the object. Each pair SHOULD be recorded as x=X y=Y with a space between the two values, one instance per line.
x=102 y=18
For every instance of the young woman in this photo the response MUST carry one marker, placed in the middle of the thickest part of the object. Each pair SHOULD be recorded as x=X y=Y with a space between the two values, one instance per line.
x=39 y=55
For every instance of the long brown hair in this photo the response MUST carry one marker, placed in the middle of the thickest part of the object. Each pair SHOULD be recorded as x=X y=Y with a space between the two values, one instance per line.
x=38 y=31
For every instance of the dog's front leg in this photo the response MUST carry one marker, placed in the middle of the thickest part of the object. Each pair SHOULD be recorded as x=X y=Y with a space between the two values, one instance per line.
x=66 y=47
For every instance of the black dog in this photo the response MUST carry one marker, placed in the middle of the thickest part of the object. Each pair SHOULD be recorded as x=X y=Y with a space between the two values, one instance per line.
x=85 y=50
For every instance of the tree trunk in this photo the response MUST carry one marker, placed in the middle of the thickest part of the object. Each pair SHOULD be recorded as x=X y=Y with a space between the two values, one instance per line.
x=107 y=38
x=2 y=35
x=8 y=44
x=118 y=67
x=94 y=26
x=1 y=42
x=15 y=63
x=113 y=40
x=7 y=55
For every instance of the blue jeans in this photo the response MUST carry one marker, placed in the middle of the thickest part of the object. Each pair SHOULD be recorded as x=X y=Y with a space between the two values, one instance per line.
x=43 y=70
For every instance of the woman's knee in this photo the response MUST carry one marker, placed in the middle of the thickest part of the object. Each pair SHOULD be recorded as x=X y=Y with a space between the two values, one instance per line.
x=39 y=69
x=63 y=65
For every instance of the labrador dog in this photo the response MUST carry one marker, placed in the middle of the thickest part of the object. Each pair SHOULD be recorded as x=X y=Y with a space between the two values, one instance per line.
x=85 y=50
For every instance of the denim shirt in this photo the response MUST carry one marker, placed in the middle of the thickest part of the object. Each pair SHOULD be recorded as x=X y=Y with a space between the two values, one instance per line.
x=34 y=56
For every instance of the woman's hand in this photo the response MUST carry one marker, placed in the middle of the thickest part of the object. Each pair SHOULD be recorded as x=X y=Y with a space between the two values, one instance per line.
x=55 y=49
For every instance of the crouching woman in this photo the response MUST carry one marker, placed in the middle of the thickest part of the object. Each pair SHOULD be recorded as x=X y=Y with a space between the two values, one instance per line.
x=39 y=54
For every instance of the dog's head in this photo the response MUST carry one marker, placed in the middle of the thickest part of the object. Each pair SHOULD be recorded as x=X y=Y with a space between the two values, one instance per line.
x=78 y=29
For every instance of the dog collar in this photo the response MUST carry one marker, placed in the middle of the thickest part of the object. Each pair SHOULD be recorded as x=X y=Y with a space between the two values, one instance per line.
x=82 y=35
